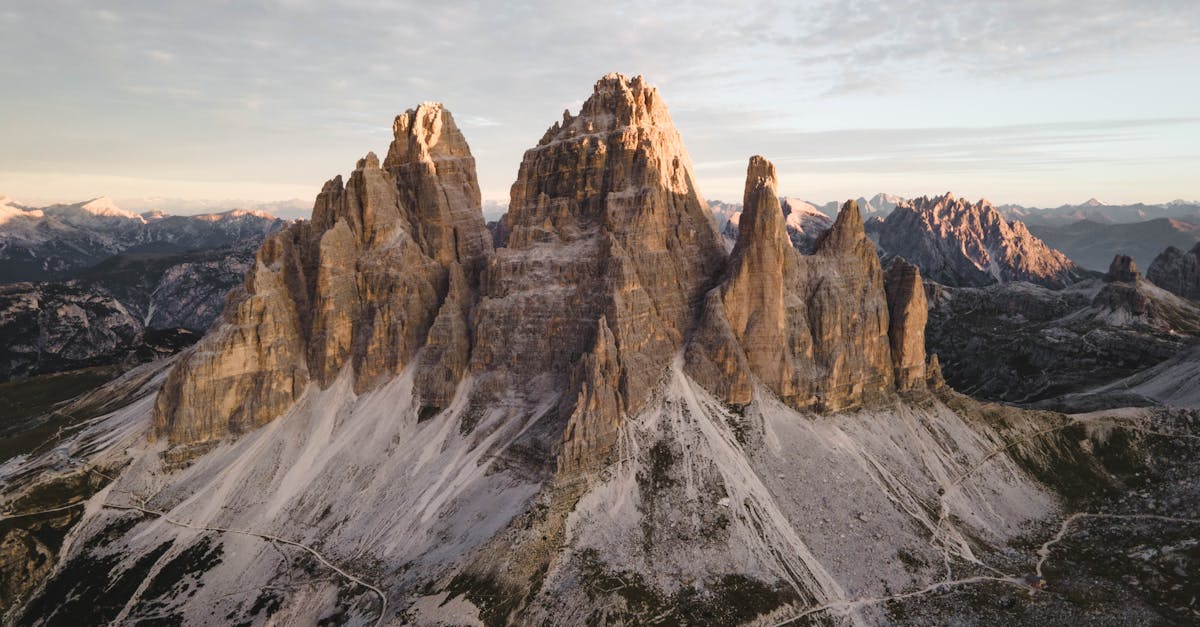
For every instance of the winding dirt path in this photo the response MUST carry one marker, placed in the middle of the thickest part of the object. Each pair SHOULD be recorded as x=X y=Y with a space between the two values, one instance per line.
x=1044 y=551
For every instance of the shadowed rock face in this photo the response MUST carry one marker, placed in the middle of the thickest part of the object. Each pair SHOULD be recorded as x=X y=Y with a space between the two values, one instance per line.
x=1123 y=269
x=813 y=329
x=908 y=312
x=1177 y=272
x=958 y=243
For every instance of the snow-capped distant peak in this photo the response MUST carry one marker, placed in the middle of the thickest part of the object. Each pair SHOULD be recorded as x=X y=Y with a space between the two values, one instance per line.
x=798 y=207
x=234 y=213
x=1092 y=202
x=104 y=206
x=10 y=209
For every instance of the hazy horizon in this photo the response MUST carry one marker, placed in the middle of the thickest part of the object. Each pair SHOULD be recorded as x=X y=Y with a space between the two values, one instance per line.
x=1031 y=103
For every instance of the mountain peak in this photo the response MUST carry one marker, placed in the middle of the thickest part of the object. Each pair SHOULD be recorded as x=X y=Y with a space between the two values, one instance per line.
x=1092 y=202
x=960 y=243
x=761 y=222
x=423 y=134
x=847 y=232
x=436 y=180
x=616 y=102
x=1122 y=270
x=105 y=206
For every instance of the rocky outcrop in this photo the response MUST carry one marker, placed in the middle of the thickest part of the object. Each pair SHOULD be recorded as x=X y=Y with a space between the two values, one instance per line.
x=812 y=329
x=907 y=315
x=604 y=221
x=362 y=286
x=436 y=179
x=1177 y=272
x=251 y=368
x=958 y=243
x=1122 y=269
x=804 y=224
x=597 y=409
x=1128 y=299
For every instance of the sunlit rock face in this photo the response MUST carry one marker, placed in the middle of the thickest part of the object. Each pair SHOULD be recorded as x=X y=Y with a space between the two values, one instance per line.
x=362 y=285
x=604 y=221
x=812 y=328
x=436 y=179
x=959 y=243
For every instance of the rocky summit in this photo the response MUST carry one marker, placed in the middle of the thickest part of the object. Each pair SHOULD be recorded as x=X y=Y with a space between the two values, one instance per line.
x=387 y=265
x=813 y=329
x=1177 y=272
x=608 y=419
x=963 y=244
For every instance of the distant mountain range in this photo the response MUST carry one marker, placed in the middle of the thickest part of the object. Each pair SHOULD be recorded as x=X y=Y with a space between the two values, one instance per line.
x=959 y=243
x=1089 y=234
x=1092 y=244
x=1095 y=211
x=90 y=283
x=882 y=204
x=54 y=242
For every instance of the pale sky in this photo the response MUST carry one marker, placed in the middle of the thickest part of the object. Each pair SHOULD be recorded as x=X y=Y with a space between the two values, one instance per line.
x=1041 y=102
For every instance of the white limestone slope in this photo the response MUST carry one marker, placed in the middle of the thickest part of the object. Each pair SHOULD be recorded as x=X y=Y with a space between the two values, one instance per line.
x=355 y=478
x=818 y=507
x=821 y=505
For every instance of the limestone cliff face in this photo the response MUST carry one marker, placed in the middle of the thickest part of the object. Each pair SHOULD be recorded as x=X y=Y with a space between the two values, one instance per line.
x=908 y=313
x=604 y=221
x=812 y=328
x=598 y=406
x=376 y=275
x=435 y=175
x=443 y=361
x=252 y=366
x=611 y=264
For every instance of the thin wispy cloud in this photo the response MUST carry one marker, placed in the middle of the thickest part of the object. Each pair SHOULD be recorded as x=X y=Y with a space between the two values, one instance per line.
x=292 y=92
